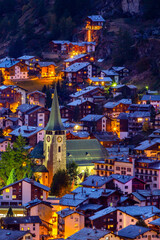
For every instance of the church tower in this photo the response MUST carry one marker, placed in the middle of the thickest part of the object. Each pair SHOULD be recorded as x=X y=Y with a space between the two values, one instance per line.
x=54 y=141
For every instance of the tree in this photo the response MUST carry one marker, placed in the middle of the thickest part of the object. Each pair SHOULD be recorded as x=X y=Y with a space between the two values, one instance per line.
x=72 y=170
x=1 y=133
x=16 y=158
x=10 y=212
x=44 y=89
x=141 y=223
x=145 y=126
x=12 y=177
x=76 y=114
x=48 y=98
x=60 y=184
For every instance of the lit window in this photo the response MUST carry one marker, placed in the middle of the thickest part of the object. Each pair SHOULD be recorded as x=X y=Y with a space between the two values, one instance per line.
x=13 y=196
x=21 y=229
x=28 y=228
x=7 y=190
x=40 y=124
x=140 y=119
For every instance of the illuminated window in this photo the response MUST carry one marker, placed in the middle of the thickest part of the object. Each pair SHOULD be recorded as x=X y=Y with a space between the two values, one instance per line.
x=21 y=229
x=28 y=228
x=76 y=225
x=24 y=164
x=40 y=124
x=140 y=119
x=89 y=106
x=13 y=196
x=7 y=190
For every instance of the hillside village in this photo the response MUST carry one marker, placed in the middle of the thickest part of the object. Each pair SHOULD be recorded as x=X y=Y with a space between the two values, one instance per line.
x=80 y=158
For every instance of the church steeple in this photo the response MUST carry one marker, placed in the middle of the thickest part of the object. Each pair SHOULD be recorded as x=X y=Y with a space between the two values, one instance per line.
x=55 y=123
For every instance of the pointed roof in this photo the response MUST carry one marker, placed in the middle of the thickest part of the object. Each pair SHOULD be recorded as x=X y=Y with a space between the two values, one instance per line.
x=55 y=122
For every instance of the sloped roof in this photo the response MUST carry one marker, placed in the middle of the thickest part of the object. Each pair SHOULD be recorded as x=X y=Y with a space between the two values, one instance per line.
x=8 y=63
x=88 y=233
x=84 y=151
x=83 y=91
x=151 y=98
x=75 y=57
x=96 y=18
x=20 y=220
x=155 y=222
x=55 y=122
x=37 y=152
x=7 y=234
x=132 y=231
x=46 y=64
x=77 y=66
x=102 y=213
x=92 y=117
x=35 y=202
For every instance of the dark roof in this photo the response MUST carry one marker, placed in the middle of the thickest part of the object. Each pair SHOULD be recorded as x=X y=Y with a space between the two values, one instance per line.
x=88 y=233
x=132 y=231
x=37 y=152
x=40 y=168
x=20 y=220
x=66 y=212
x=55 y=122
x=155 y=222
x=25 y=107
x=31 y=181
x=6 y=234
x=151 y=98
x=36 y=202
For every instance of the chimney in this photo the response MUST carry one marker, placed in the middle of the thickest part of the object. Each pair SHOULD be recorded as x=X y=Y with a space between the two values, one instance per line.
x=74 y=196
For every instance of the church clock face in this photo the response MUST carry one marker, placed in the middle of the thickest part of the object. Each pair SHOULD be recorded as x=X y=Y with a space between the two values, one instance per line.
x=59 y=139
x=48 y=139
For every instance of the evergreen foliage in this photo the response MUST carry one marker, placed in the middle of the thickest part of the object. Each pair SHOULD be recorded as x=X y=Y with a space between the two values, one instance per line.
x=16 y=158
x=12 y=177
x=10 y=212
x=60 y=184
x=72 y=170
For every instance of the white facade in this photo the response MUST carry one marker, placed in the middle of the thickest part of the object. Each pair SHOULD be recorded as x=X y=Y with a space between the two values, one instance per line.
x=34 y=228
x=124 y=220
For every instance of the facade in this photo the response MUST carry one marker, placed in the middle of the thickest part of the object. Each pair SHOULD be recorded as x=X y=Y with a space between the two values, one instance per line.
x=111 y=74
x=93 y=122
x=69 y=222
x=37 y=98
x=46 y=69
x=22 y=192
x=154 y=100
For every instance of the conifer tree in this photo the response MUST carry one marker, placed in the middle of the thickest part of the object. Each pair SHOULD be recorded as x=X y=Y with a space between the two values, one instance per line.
x=12 y=177
x=10 y=212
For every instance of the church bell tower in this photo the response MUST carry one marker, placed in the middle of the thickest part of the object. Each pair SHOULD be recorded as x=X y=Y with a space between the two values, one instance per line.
x=54 y=141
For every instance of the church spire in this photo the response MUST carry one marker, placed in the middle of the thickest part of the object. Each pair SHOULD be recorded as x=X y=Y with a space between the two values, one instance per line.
x=55 y=122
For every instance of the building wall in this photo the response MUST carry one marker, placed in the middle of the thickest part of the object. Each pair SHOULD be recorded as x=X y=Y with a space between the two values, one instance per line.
x=123 y=168
x=125 y=188
x=73 y=223
x=26 y=192
x=33 y=228
x=124 y=220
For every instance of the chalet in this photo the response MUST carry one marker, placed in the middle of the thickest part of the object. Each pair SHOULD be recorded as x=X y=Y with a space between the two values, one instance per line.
x=9 y=98
x=78 y=135
x=111 y=74
x=78 y=58
x=88 y=93
x=140 y=107
x=32 y=134
x=22 y=91
x=12 y=69
x=154 y=100
x=113 y=109
x=15 y=193
x=69 y=222
x=29 y=60
x=11 y=121
x=37 y=98
x=79 y=72
x=4 y=142
x=31 y=223
x=149 y=148
x=66 y=113
x=100 y=81
x=149 y=171
x=147 y=197
x=107 y=139
x=94 y=22
x=122 y=71
x=127 y=91
x=46 y=69
x=137 y=232
x=136 y=120
x=60 y=47
x=93 y=122
x=83 y=107
x=33 y=115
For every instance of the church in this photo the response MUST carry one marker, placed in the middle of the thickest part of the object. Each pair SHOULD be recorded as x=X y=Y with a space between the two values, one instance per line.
x=55 y=152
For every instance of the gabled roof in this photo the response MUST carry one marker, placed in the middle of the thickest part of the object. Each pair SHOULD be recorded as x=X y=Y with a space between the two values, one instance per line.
x=21 y=220
x=37 y=152
x=139 y=211
x=155 y=222
x=132 y=231
x=92 y=118
x=147 y=144
x=117 y=68
x=100 y=79
x=96 y=18
x=75 y=57
x=88 y=233
x=78 y=102
x=36 y=202
x=114 y=104
x=31 y=181
x=60 y=41
x=102 y=213
x=109 y=72
x=7 y=234
x=89 y=206
x=26 y=107
x=151 y=98
x=36 y=91
x=83 y=91
x=26 y=57
x=55 y=122
x=66 y=212
x=46 y=64
x=77 y=67
x=26 y=131
x=8 y=63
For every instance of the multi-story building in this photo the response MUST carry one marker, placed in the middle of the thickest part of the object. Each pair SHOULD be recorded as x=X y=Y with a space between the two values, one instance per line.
x=22 y=192
x=154 y=100
x=37 y=98
x=79 y=72
x=94 y=122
